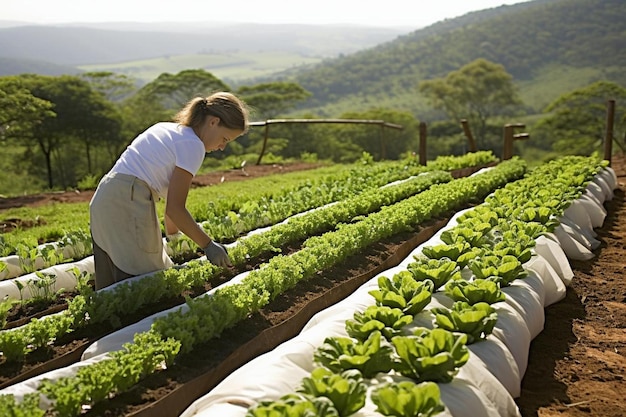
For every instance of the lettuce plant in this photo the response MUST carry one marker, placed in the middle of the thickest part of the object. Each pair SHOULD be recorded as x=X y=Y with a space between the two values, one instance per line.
x=502 y=269
x=389 y=321
x=476 y=321
x=430 y=355
x=404 y=292
x=342 y=353
x=345 y=390
x=294 y=405
x=459 y=252
x=439 y=271
x=408 y=399
x=472 y=292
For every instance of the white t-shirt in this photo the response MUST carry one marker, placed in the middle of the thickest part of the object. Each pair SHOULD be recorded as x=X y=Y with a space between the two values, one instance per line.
x=154 y=154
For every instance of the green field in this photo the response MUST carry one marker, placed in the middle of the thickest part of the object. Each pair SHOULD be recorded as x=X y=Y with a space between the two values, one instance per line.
x=233 y=67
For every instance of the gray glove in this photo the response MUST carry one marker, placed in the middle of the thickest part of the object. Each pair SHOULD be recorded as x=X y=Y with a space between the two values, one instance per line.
x=217 y=255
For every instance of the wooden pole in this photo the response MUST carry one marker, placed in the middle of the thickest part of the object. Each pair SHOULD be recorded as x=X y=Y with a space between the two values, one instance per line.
x=422 y=146
x=468 y=134
x=267 y=133
x=507 y=149
x=608 y=138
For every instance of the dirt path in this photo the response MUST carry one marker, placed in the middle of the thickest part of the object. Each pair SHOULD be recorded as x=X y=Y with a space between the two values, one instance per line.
x=577 y=365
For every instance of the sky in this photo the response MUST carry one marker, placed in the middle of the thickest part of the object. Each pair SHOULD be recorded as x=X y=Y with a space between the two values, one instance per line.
x=388 y=13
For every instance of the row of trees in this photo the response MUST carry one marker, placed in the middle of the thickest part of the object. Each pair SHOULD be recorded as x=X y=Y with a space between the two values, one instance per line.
x=67 y=128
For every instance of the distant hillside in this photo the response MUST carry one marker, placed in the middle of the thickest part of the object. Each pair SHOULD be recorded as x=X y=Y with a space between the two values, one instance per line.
x=11 y=66
x=73 y=46
x=529 y=39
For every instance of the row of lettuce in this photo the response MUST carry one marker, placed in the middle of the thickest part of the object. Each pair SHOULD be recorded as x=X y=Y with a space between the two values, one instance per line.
x=227 y=214
x=207 y=317
x=42 y=285
x=90 y=308
x=389 y=365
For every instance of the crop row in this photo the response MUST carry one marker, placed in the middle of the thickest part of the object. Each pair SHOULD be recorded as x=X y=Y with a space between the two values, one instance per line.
x=205 y=317
x=226 y=217
x=446 y=335
x=112 y=304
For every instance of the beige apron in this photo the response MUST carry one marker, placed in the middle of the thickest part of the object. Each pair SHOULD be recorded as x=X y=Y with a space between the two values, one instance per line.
x=124 y=225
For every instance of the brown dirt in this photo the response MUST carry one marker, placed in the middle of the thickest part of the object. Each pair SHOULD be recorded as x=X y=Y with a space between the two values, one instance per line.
x=576 y=365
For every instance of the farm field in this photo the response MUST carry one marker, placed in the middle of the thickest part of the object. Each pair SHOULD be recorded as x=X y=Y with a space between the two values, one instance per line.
x=549 y=388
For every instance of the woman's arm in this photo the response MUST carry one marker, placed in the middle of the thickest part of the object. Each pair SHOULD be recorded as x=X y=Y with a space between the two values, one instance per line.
x=177 y=213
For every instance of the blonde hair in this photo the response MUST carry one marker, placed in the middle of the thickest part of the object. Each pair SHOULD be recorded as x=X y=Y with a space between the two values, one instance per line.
x=231 y=110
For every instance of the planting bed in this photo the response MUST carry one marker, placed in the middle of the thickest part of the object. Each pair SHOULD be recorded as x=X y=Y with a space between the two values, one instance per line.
x=576 y=365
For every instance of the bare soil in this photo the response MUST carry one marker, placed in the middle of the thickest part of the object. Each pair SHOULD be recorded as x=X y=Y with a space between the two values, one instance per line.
x=577 y=365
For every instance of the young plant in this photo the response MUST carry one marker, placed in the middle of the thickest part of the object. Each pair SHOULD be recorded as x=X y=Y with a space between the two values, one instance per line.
x=459 y=252
x=472 y=292
x=439 y=271
x=342 y=353
x=476 y=321
x=294 y=405
x=403 y=292
x=430 y=355
x=345 y=390
x=389 y=321
x=503 y=269
x=408 y=399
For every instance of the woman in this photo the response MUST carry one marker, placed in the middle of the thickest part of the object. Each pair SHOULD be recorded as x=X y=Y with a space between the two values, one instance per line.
x=159 y=163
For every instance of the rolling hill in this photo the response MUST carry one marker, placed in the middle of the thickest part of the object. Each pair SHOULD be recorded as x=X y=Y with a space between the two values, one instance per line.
x=549 y=46
x=148 y=49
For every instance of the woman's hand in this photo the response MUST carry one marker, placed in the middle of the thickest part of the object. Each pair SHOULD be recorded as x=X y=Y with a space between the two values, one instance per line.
x=217 y=255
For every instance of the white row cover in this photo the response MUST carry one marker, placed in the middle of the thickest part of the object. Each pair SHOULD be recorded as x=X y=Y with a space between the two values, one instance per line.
x=485 y=386
x=66 y=280
x=14 y=264
x=488 y=383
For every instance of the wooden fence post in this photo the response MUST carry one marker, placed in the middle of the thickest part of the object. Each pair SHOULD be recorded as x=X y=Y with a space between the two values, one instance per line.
x=509 y=137
x=267 y=133
x=608 y=137
x=422 y=146
x=468 y=134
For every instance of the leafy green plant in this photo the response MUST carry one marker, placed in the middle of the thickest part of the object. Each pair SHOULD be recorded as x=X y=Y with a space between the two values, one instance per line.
x=460 y=252
x=476 y=321
x=430 y=355
x=474 y=235
x=503 y=270
x=342 y=353
x=408 y=399
x=472 y=292
x=5 y=307
x=438 y=271
x=294 y=405
x=404 y=292
x=28 y=407
x=389 y=321
x=345 y=390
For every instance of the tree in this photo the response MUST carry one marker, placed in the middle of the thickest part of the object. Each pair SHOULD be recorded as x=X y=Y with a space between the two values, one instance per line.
x=171 y=92
x=576 y=121
x=476 y=92
x=20 y=110
x=268 y=100
x=81 y=114
x=115 y=87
